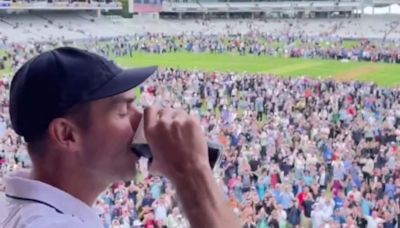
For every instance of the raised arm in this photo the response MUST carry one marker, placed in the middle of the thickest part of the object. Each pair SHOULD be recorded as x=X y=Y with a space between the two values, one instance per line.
x=180 y=153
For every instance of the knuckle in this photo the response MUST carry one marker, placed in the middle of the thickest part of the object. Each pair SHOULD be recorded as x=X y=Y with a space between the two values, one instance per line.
x=176 y=124
x=162 y=124
x=162 y=121
x=181 y=111
x=168 y=110
x=186 y=121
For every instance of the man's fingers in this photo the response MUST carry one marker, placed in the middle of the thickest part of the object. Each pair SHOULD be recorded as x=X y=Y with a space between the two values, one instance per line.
x=178 y=119
x=150 y=117
x=153 y=116
x=179 y=115
x=165 y=115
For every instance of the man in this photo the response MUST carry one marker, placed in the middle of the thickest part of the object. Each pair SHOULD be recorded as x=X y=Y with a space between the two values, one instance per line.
x=75 y=111
x=286 y=198
x=294 y=215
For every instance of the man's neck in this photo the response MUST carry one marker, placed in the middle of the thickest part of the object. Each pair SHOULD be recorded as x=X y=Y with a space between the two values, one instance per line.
x=82 y=187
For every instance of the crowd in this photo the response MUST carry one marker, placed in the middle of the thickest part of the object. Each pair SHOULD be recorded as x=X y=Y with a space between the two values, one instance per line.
x=284 y=45
x=255 y=43
x=297 y=152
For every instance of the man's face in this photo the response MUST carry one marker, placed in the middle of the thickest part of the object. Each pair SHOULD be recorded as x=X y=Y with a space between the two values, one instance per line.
x=106 y=142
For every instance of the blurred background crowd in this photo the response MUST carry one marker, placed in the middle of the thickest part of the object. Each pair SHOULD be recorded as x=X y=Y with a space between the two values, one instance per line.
x=298 y=152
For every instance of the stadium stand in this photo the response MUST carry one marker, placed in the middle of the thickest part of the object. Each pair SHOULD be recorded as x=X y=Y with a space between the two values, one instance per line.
x=42 y=25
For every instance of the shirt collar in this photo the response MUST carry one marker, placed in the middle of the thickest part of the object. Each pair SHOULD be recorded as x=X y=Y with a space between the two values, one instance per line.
x=20 y=185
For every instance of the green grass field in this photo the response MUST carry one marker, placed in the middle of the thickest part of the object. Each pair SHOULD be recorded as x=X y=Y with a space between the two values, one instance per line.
x=382 y=74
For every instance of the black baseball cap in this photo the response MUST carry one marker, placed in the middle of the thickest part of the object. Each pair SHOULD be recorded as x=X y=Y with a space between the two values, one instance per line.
x=49 y=85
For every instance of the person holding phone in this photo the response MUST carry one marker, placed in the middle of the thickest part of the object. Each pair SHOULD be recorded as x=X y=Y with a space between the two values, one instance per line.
x=75 y=111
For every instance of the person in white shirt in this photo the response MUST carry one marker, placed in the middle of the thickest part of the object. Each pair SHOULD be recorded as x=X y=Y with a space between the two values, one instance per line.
x=318 y=217
x=75 y=110
x=160 y=210
x=374 y=220
x=281 y=215
x=176 y=220
x=326 y=204
x=322 y=178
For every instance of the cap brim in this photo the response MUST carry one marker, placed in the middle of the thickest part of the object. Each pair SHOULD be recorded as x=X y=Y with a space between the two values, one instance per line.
x=124 y=81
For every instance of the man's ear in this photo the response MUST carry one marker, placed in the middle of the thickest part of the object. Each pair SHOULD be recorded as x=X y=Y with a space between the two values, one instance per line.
x=64 y=133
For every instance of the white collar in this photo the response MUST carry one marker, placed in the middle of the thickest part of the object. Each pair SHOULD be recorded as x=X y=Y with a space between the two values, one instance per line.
x=20 y=185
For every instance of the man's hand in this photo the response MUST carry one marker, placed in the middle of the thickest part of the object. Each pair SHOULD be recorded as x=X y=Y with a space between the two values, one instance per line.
x=176 y=141
x=180 y=153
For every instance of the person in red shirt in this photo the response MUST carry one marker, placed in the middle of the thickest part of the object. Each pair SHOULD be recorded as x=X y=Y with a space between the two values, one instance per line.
x=149 y=221
x=308 y=93
x=303 y=196
x=275 y=179
x=352 y=110
x=151 y=90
